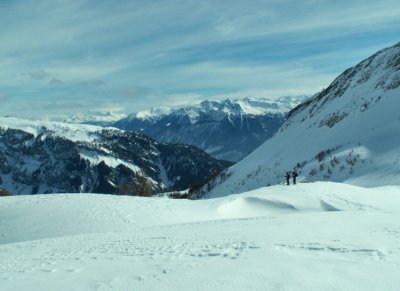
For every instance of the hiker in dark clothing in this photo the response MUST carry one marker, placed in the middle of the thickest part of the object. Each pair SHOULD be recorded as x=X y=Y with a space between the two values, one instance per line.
x=287 y=176
x=294 y=176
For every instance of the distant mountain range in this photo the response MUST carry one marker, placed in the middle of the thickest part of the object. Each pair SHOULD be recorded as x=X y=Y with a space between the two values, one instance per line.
x=96 y=118
x=228 y=129
x=349 y=132
x=54 y=157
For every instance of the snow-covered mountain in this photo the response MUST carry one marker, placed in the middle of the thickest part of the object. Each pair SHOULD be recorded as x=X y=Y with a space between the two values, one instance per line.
x=96 y=118
x=228 y=129
x=52 y=157
x=349 y=132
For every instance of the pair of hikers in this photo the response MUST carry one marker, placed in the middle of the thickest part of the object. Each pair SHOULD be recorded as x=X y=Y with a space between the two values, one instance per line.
x=294 y=176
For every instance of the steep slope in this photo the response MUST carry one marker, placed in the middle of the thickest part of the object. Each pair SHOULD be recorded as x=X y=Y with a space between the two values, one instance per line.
x=228 y=129
x=348 y=132
x=51 y=157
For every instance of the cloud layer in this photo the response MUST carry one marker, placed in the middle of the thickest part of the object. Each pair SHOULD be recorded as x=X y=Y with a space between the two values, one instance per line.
x=61 y=56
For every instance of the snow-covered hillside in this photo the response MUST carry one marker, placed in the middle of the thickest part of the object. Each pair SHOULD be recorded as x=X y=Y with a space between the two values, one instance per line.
x=52 y=157
x=228 y=129
x=313 y=236
x=348 y=132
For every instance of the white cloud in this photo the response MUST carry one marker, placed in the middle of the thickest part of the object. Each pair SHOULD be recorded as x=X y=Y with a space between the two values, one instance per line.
x=89 y=52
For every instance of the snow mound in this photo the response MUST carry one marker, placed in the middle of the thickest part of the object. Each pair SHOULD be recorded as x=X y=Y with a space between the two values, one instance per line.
x=328 y=207
x=252 y=206
x=281 y=201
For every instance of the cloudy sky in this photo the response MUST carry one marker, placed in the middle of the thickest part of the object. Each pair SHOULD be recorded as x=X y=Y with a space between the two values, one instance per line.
x=58 y=57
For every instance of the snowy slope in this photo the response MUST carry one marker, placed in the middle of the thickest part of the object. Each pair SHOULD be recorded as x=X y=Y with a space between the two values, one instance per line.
x=228 y=129
x=314 y=236
x=348 y=132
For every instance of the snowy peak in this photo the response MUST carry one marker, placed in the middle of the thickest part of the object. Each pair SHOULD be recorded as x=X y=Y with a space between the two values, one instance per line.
x=218 y=110
x=153 y=114
x=368 y=87
x=373 y=76
x=265 y=105
x=211 y=110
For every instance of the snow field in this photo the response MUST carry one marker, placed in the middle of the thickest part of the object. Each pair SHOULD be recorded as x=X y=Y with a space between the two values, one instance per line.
x=313 y=236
